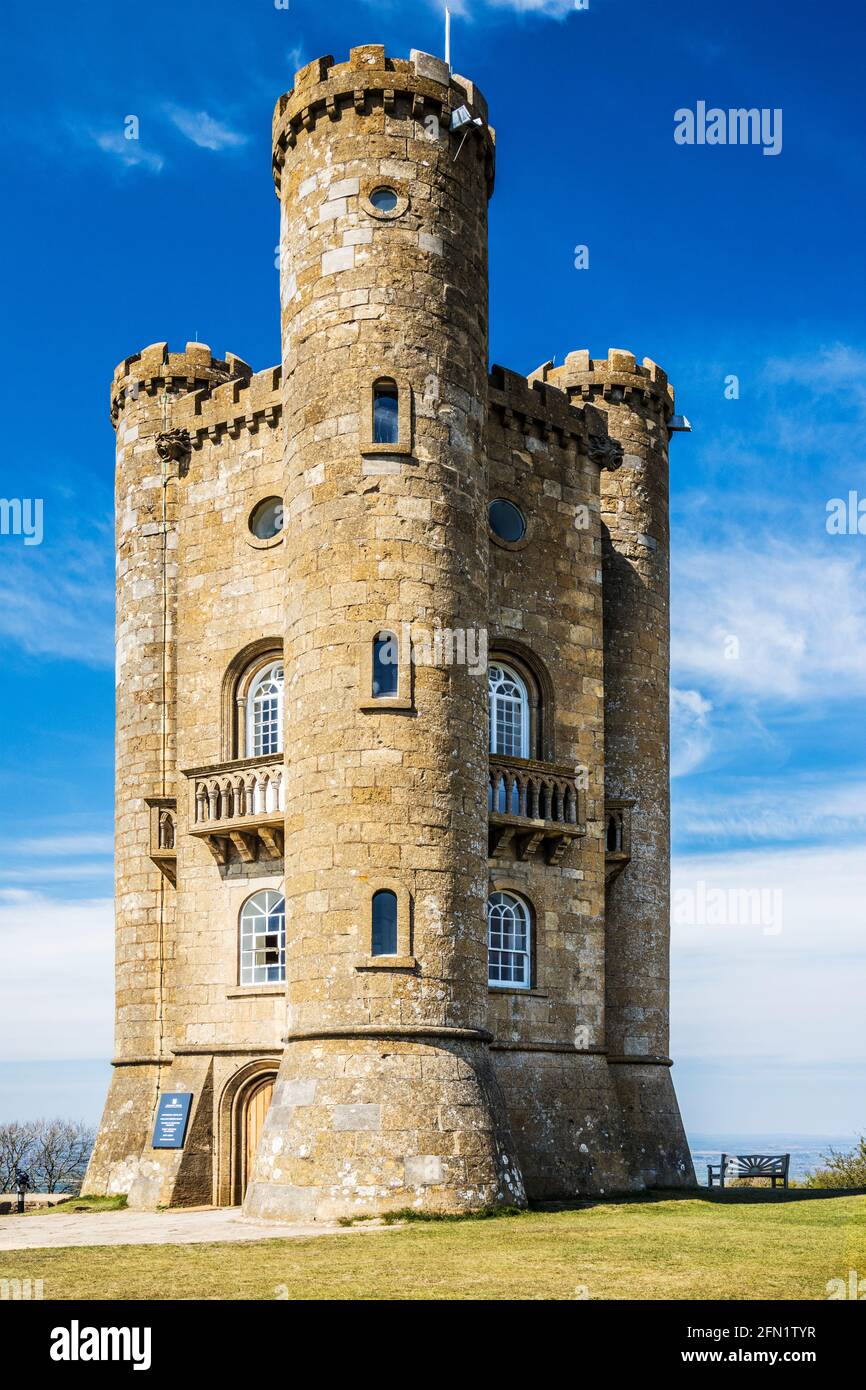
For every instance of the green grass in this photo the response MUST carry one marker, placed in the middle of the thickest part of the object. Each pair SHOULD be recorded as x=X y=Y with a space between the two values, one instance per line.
x=76 y=1205
x=737 y=1245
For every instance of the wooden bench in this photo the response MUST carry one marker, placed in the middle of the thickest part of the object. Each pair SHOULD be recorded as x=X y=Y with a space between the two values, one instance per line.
x=772 y=1166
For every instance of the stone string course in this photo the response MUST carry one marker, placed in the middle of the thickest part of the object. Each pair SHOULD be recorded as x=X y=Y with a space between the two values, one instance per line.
x=412 y=1084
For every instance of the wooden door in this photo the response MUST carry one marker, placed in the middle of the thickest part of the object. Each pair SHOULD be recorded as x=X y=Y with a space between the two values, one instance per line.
x=257 y=1106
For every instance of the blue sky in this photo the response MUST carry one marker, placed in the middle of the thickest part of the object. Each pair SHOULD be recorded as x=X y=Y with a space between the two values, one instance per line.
x=714 y=261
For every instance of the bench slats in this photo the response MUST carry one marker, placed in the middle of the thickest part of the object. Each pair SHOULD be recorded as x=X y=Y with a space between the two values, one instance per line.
x=772 y=1166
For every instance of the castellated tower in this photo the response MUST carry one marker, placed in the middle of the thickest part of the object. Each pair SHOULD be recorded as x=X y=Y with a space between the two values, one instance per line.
x=392 y=825
x=387 y=1070
x=638 y=404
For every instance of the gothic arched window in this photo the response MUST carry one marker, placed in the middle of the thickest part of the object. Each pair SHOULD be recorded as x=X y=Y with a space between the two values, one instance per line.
x=509 y=941
x=509 y=712
x=263 y=939
x=264 y=705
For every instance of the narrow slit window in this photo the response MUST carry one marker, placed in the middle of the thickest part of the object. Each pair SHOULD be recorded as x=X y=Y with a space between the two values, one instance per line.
x=386 y=669
x=386 y=413
x=384 y=923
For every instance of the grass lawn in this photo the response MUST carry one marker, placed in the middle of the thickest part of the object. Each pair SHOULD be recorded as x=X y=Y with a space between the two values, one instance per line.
x=740 y=1245
x=75 y=1205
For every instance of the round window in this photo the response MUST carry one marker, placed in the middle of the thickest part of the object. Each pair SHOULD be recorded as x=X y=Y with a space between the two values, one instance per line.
x=383 y=199
x=506 y=521
x=266 y=520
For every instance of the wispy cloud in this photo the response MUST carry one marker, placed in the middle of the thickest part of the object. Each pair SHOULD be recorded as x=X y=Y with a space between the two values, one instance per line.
x=205 y=130
x=549 y=9
x=738 y=991
x=61 y=846
x=57 y=976
x=57 y=599
x=811 y=805
x=690 y=732
x=131 y=154
x=772 y=620
x=836 y=370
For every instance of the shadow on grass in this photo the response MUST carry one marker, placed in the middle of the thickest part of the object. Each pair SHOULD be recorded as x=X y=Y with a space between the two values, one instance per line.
x=727 y=1196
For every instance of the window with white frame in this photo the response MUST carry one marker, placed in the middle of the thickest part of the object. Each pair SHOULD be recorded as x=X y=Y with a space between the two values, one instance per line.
x=265 y=711
x=509 y=945
x=263 y=939
x=509 y=712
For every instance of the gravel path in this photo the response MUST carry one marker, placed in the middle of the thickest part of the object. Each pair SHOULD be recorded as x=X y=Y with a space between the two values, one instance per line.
x=178 y=1227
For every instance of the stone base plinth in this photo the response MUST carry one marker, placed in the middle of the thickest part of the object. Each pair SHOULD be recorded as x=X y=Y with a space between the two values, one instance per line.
x=367 y=1124
x=567 y=1124
x=657 y=1144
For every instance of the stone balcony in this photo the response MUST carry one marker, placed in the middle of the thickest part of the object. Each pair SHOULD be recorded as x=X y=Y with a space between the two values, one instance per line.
x=532 y=806
x=617 y=837
x=239 y=805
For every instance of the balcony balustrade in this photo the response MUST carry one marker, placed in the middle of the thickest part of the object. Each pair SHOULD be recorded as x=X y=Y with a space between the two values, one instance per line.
x=533 y=806
x=242 y=804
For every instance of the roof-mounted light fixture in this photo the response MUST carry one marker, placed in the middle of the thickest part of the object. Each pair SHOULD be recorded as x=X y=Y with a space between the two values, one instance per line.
x=462 y=119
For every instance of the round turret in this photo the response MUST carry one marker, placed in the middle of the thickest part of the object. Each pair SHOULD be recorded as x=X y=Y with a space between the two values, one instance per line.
x=639 y=404
x=384 y=329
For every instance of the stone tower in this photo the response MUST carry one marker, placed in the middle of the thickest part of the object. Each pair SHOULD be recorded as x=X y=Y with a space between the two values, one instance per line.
x=638 y=405
x=266 y=766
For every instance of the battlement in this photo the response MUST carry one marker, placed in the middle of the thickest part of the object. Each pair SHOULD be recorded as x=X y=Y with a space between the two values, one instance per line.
x=617 y=375
x=543 y=406
x=155 y=369
x=324 y=88
x=231 y=408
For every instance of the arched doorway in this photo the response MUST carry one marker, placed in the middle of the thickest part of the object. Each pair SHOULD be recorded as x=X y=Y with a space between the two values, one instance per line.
x=256 y=1103
x=244 y=1104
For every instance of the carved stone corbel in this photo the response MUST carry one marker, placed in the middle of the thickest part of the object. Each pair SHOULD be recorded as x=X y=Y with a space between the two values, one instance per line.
x=174 y=446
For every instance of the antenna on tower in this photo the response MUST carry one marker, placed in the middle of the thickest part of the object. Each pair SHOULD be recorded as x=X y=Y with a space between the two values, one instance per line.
x=448 y=37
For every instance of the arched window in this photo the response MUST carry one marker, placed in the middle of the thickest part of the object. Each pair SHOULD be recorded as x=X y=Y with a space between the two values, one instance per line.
x=509 y=944
x=386 y=670
x=386 y=412
x=384 y=940
x=265 y=711
x=263 y=939
x=509 y=712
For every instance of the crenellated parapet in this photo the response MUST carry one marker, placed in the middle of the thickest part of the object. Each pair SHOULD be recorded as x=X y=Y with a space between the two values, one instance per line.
x=539 y=405
x=415 y=87
x=239 y=406
x=618 y=378
x=155 y=370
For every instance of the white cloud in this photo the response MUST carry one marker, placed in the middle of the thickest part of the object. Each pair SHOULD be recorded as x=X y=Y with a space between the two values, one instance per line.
x=204 y=130
x=837 y=370
x=796 y=612
x=130 y=153
x=807 y=806
x=59 y=846
x=748 y=991
x=549 y=9
x=57 y=599
x=691 y=739
x=57 y=980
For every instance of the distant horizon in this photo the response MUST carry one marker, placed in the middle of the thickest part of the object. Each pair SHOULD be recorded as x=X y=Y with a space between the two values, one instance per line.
x=22 y=1079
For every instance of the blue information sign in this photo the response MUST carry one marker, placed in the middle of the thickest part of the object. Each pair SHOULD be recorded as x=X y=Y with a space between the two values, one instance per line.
x=172 y=1115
